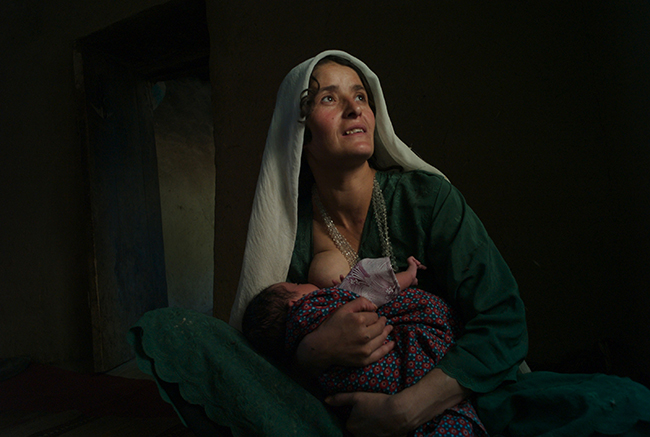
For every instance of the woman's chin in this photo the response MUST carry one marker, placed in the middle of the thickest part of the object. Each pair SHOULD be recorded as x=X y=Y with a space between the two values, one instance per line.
x=362 y=151
x=354 y=161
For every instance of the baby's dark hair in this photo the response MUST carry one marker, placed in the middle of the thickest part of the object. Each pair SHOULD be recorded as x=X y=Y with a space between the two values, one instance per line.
x=265 y=320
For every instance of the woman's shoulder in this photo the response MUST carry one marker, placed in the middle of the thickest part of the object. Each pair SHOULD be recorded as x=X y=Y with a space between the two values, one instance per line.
x=416 y=182
x=412 y=177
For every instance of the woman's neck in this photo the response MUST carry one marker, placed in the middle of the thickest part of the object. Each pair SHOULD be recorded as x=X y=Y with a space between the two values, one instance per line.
x=346 y=195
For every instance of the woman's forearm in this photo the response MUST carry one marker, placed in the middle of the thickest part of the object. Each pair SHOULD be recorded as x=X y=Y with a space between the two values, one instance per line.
x=430 y=396
x=310 y=358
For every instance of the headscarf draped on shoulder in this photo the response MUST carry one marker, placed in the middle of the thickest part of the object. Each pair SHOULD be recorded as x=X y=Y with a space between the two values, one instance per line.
x=274 y=217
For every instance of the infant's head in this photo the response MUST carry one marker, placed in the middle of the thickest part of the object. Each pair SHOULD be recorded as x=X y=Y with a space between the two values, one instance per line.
x=265 y=318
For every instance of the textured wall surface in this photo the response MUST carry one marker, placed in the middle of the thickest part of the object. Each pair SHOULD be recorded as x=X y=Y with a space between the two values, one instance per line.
x=185 y=149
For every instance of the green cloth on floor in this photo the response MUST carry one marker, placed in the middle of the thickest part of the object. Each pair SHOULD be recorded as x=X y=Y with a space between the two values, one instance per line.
x=216 y=368
x=555 y=404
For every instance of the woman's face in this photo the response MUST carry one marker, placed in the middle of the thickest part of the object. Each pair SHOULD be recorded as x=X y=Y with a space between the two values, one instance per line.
x=341 y=122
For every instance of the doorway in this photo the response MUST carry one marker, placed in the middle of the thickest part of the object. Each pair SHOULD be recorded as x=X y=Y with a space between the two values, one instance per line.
x=186 y=174
x=144 y=194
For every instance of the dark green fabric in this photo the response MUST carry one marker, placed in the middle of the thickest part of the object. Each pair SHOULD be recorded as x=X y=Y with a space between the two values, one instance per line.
x=553 y=404
x=429 y=219
x=216 y=368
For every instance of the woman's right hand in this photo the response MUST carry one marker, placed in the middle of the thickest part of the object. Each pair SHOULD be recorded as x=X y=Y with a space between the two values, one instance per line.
x=354 y=335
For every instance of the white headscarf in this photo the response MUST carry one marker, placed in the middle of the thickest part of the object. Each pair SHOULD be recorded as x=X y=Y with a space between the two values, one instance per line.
x=274 y=218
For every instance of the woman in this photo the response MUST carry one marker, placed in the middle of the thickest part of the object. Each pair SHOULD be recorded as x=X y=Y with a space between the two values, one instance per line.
x=345 y=126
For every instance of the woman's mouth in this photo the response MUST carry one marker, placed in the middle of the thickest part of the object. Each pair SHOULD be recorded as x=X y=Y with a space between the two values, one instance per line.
x=354 y=131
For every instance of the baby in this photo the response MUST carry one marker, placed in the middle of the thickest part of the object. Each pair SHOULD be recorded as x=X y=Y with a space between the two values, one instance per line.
x=425 y=327
x=265 y=319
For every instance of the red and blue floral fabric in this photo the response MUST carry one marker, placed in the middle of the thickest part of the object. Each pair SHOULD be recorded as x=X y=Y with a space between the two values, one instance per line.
x=425 y=327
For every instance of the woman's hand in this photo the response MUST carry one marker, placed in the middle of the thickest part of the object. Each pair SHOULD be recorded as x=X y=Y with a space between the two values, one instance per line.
x=376 y=414
x=354 y=335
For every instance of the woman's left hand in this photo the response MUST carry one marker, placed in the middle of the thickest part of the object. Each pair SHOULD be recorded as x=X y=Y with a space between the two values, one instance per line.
x=377 y=414
x=373 y=414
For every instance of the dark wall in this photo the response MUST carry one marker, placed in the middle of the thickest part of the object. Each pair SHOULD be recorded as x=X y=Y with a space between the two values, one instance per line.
x=45 y=221
x=538 y=112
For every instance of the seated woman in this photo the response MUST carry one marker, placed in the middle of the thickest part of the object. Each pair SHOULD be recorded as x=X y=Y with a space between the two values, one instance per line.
x=331 y=138
x=337 y=146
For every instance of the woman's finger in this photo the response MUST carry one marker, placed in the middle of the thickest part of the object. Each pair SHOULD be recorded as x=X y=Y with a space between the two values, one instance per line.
x=380 y=352
x=358 y=306
x=376 y=327
x=340 y=399
x=377 y=347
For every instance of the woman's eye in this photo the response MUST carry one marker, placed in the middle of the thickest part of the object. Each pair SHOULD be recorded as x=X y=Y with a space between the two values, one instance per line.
x=361 y=97
x=327 y=99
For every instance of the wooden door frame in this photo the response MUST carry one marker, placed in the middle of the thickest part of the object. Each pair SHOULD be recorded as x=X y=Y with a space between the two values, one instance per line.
x=163 y=43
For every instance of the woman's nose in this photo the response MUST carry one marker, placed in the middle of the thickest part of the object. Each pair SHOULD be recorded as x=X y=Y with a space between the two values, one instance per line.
x=353 y=109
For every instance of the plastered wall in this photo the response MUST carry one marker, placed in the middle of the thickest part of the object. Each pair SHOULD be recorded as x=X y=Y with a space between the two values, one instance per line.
x=185 y=150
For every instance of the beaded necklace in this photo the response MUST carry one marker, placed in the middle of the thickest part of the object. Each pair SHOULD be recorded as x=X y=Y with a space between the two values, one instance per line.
x=342 y=244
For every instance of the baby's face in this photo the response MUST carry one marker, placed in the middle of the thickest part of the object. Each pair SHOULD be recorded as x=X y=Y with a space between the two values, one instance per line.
x=299 y=290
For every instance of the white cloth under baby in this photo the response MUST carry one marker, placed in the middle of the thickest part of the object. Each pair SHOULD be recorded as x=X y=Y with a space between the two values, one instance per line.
x=374 y=279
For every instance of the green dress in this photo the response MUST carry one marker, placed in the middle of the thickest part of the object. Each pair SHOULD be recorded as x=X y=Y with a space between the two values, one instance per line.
x=216 y=368
x=429 y=219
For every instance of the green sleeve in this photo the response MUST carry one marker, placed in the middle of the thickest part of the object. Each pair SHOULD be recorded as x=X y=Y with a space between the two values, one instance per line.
x=429 y=219
x=479 y=284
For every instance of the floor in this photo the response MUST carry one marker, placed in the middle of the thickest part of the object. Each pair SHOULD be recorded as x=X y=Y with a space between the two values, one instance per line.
x=43 y=400
x=130 y=370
